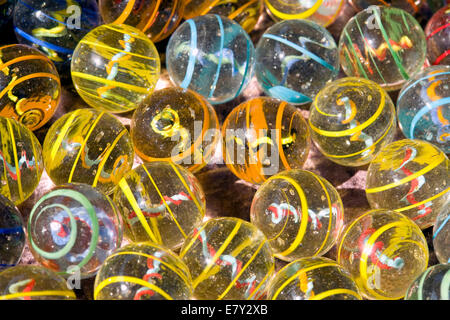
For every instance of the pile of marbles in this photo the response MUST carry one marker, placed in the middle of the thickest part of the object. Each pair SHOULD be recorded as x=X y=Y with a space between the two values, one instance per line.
x=210 y=150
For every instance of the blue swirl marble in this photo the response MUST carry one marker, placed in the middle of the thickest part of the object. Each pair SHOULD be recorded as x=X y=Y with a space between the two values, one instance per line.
x=220 y=56
x=211 y=55
x=295 y=59
x=423 y=107
x=12 y=234
x=54 y=26
x=301 y=49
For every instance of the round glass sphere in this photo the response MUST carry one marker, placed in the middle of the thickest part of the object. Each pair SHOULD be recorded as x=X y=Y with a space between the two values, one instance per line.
x=432 y=284
x=73 y=228
x=383 y=44
x=313 y=278
x=423 y=107
x=30 y=86
x=29 y=282
x=156 y=18
x=12 y=234
x=211 y=55
x=295 y=59
x=411 y=177
x=55 y=27
x=88 y=146
x=115 y=67
x=441 y=235
x=160 y=202
x=143 y=271
x=21 y=163
x=300 y=213
x=178 y=125
x=351 y=119
x=437 y=32
x=264 y=136
x=384 y=251
x=228 y=258
x=323 y=12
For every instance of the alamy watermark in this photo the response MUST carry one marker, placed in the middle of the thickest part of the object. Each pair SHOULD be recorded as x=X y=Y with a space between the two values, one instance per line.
x=74 y=279
x=73 y=21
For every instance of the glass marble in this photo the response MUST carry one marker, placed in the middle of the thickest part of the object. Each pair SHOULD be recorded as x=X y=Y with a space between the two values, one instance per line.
x=264 y=136
x=411 y=177
x=73 y=228
x=211 y=55
x=156 y=18
x=12 y=234
x=115 y=67
x=384 y=251
x=433 y=284
x=29 y=282
x=437 y=32
x=229 y=259
x=295 y=59
x=21 y=163
x=6 y=10
x=323 y=12
x=55 y=27
x=88 y=146
x=178 y=125
x=351 y=119
x=160 y=202
x=423 y=107
x=244 y=12
x=300 y=213
x=313 y=278
x=411 y=6
x=143 y=271
x=441 y=235
x=383 y=44
x=30 y=86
